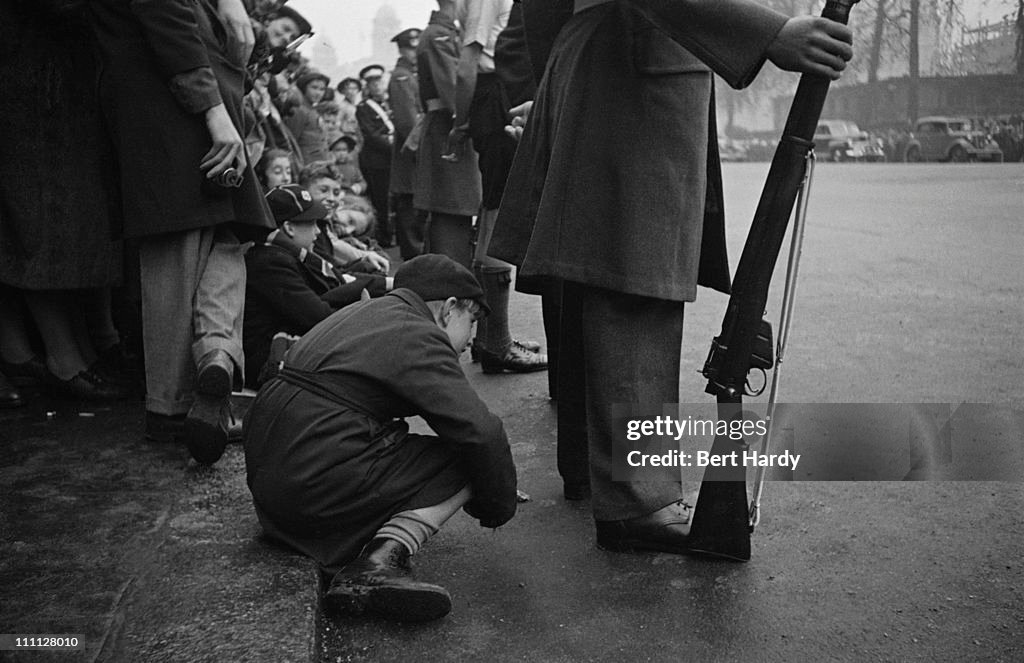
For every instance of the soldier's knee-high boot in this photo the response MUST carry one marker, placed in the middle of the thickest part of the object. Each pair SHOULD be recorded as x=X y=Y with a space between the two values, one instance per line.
x=498 y=352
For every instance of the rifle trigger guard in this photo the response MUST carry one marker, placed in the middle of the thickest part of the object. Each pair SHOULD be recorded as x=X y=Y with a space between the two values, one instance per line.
x=750 y=391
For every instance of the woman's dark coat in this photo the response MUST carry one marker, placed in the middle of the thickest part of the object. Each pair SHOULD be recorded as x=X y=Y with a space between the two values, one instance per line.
x=58 y=179
x=164 y=65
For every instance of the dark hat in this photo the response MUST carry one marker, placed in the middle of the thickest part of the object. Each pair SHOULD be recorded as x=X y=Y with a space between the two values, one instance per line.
x=291 y=202
x=348 y=140
x=348 y=79
x=408 y=38
x=287 y=12
x=371 y=71
x=312 y=75
x=434 y=277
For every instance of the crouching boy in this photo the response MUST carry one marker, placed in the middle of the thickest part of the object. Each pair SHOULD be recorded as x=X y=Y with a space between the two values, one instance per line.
x=332 y=467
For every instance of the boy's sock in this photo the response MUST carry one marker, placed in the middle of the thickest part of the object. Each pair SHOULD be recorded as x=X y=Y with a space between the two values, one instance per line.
x=408 y=528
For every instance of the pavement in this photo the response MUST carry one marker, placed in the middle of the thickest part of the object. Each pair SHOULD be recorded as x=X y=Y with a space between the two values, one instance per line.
x=149 y=557
x=143 y=554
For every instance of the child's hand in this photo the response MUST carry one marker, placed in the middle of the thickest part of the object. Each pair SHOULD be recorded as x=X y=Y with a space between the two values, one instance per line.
x=376 y=262
x=228 y=150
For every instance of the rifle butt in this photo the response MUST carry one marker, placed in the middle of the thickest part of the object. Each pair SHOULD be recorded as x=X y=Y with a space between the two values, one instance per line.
x=721 y=523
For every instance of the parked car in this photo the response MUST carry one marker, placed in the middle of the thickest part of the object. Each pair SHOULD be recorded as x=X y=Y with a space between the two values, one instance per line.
x=842 y=140
x=730 y=150
x=950 y=139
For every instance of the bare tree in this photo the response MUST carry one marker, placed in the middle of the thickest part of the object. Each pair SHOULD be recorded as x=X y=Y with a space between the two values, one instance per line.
x=878 y=32
x=914 y=66
x=1019 y=50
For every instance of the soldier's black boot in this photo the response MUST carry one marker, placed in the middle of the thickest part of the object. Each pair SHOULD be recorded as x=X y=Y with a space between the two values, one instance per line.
x=380 y=582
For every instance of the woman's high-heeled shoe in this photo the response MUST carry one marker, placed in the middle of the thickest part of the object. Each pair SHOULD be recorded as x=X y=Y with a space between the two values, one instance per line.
x=88 y=386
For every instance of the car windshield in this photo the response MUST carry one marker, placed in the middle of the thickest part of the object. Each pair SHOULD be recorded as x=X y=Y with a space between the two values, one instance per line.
x=959 y=125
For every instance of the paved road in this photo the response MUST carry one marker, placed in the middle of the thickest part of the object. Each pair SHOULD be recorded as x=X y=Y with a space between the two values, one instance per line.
x=910 y=292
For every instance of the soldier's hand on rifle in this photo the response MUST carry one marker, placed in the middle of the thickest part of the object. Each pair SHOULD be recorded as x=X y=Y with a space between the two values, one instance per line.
x=812 y=45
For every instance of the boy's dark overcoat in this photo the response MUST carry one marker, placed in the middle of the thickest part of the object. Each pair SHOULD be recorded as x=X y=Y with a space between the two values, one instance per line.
x=325 y=476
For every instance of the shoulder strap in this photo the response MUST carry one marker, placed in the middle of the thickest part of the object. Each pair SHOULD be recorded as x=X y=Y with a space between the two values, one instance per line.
x=382 y=114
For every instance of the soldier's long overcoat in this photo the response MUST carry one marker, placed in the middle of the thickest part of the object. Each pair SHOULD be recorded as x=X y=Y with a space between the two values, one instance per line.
x=617 y=181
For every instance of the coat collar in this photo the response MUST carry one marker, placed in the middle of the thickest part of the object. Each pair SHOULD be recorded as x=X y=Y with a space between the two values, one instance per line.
x=405 y=63
x=309 y=259
x=437 y=18
x=280 y=239
x=413 y=300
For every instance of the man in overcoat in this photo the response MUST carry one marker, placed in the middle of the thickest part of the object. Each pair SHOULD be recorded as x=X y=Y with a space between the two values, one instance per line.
x=447 y=178
x=404 y=97
x=616 y=189
x=333 y=469
x=480 y=113
x=171 y=91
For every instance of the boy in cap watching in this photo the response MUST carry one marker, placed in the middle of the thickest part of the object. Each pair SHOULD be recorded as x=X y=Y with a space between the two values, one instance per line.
x=290 y=288
x=333 y=469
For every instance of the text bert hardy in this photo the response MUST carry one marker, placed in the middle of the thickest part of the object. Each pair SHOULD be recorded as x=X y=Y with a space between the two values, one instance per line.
x=737 y=429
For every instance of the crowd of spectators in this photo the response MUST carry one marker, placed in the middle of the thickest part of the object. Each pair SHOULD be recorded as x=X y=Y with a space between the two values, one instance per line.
x=79 y=314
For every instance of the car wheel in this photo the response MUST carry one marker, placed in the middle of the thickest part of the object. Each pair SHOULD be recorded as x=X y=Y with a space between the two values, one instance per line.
x=913 y=154
x=958 y=154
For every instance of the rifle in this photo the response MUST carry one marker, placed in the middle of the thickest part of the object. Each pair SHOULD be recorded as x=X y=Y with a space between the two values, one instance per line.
x=721 y=523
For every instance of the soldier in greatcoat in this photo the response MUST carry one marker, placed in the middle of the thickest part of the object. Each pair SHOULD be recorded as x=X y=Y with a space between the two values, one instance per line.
x=616 y=190
x=406 y=111
x=447 y=178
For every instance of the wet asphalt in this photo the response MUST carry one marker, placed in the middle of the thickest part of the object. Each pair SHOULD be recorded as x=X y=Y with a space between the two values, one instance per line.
x=909 y=293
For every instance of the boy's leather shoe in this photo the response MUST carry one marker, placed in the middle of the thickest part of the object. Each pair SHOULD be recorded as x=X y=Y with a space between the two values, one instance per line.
x=515 y=360
x=664 y=530
x=379 y=582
